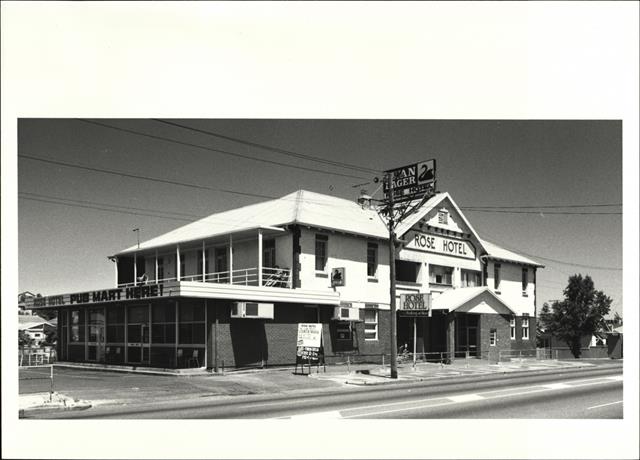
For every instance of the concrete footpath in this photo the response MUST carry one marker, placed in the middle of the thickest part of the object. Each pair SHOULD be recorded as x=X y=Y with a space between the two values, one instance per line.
x=78 y=388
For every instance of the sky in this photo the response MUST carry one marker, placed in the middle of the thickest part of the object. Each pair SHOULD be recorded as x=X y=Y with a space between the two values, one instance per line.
x=368 y=61
x=64 y=240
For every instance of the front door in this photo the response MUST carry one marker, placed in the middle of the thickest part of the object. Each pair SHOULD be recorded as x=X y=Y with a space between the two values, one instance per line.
x=138 y=334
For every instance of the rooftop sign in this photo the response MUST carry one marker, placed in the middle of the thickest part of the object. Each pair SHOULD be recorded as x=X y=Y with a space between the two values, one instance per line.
x=411 y=182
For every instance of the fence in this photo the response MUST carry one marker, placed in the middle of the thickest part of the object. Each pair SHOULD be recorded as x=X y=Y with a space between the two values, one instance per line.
x=35 y=370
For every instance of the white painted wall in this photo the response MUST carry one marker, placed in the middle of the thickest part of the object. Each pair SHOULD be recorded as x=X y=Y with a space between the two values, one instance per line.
x=349 y=252
x=511 y=286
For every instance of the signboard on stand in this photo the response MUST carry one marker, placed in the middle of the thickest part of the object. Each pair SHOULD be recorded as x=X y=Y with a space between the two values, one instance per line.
x=309 y=345
x=415 y=304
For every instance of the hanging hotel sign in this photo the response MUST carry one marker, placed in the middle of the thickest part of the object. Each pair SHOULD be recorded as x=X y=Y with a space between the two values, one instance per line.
x=441 y=245
x=106 y=295
x=415 y=304
x=411 y=182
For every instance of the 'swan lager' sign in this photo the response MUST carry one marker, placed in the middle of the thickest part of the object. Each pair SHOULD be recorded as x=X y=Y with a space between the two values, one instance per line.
x=441 y=245
x=106 y=295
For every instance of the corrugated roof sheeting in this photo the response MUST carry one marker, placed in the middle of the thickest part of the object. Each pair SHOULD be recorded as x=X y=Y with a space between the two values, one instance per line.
x=306 y=208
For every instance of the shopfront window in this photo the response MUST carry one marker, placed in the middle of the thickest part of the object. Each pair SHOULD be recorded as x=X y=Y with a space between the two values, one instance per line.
x=191 y=326
x=163 y=323
x=77 y=326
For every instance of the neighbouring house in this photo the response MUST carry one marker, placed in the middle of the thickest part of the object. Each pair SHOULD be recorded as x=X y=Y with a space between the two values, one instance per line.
x=35 y=327
x=231 y=288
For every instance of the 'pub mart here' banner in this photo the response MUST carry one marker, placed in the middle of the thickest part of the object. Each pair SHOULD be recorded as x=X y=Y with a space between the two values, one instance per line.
x=107 y=295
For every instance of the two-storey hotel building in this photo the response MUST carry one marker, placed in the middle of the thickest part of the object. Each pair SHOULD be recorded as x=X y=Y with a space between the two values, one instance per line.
x=230 y=289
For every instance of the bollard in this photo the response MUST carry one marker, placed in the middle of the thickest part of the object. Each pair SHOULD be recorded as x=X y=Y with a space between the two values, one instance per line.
x=348 y=364
x=382 y=359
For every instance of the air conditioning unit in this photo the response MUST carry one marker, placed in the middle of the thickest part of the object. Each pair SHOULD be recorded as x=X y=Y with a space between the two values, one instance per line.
x=252 y=310
x=343 y=313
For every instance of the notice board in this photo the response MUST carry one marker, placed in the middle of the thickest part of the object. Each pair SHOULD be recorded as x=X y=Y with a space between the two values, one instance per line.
x=309 y=344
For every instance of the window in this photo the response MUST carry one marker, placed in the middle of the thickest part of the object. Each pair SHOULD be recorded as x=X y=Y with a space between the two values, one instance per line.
x=525 y=327
x=160 y=268
x=443 y=217
x=163 y=323
x=115 y=324
x=496 y=277
x=525 y=281
x=269 y=253
x=220 y=255
x=191 y=324
x=321 y=251
x=470 y=278
x=512 y=326
x=440 y=275
x=370 y=323
x=407 y=272
x=372 y=259
x=77 y=326
x=493 y=337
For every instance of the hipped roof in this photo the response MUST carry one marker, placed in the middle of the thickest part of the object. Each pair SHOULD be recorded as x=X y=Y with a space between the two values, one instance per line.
x=312 y=209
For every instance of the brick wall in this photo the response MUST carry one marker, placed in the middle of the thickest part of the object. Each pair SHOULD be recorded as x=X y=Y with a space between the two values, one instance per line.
x=247 y=342
x=490 y=321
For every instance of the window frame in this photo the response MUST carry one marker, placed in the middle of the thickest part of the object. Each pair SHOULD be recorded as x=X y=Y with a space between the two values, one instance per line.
x=321 y=240
x=443 y=217
x=525 y=327
x=525 y=281
x=374 y=309
x=374 y=248
x=493 y=337
x=512 y=327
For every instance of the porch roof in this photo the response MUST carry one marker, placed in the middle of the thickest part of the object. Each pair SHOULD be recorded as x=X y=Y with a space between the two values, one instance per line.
x=453 y=299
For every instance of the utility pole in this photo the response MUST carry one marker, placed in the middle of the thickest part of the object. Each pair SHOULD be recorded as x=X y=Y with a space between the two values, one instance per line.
x=392 y=276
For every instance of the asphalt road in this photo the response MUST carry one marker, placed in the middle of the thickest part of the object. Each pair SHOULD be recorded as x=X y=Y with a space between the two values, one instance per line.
x=591 y=393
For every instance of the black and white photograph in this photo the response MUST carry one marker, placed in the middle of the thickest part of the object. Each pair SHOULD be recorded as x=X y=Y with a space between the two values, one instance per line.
x=316 y=239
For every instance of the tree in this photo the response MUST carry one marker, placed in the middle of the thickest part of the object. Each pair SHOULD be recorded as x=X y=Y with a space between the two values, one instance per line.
x=580 y=314
x=24 y=340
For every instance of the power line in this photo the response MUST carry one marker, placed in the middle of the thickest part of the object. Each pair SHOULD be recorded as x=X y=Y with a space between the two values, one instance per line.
x=211 y=149
x=273 y=149
x=553 y=206
x=557 y=213
x=563 y=262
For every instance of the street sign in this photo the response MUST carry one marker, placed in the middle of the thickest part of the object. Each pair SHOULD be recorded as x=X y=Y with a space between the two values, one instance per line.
x=338 y=276
x=415 y=304
x=411 y=182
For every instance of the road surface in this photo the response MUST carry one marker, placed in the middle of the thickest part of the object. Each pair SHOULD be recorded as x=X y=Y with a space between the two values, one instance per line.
x=591 y=393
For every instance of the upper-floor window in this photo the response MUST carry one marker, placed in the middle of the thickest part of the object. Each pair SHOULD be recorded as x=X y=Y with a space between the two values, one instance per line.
x=160 y=268
x=220 y=257
x=322 y=242
x=269 y=253
x=470 y=278
x=525 y=280
x=443 y=217
x=372 y=259
x=496 y=276
x=407 y=271
x=440 y=275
